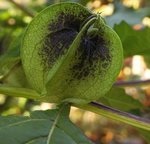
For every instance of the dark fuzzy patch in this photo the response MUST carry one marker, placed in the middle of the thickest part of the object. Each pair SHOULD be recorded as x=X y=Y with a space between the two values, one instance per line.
x=68 y=21
x=56 y=43
x=62 y=33
x=92 y=50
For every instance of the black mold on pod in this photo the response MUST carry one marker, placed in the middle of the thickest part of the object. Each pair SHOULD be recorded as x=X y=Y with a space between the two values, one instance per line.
x=70 y=54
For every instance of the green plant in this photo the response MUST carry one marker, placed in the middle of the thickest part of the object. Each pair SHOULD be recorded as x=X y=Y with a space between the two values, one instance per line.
x=72 y=71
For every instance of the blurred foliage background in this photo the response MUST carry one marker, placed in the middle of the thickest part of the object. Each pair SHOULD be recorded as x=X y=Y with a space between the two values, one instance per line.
x=129 y=18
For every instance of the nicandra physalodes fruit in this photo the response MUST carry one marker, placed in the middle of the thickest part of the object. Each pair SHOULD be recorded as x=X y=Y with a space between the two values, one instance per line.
x=70 y=54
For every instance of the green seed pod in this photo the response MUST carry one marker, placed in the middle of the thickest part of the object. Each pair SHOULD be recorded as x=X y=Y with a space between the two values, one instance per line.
x=70 y=54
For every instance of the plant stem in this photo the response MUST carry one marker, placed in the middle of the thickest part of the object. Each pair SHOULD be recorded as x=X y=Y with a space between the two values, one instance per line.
x=19 y=92
x=132 y=83
x=117 y=115
x=29 y=12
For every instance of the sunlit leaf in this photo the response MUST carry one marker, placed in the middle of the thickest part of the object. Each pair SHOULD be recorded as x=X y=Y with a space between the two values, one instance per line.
x=129 y=15
x=135 y=42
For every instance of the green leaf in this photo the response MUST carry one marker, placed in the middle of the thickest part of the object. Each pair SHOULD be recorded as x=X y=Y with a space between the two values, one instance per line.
x=11 y=56
x=36 y=128
x=128 y=15
x=15 y=77
x=11 y=71
x=117 y=98
x=135 y=42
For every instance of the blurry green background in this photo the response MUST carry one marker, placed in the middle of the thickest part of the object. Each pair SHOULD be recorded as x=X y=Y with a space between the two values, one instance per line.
x=15 y=16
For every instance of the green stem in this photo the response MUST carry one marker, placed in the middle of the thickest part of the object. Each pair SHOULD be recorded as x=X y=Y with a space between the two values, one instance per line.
x=26 y=10
x=19 y=92
x=132 y=83
x=117 y=115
